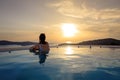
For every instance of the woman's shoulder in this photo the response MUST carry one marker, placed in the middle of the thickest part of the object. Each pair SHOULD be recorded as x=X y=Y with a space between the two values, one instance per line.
x=46 y=42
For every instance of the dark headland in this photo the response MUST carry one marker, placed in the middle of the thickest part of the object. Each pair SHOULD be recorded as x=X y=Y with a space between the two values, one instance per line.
x=25 y=43
x=106 y=41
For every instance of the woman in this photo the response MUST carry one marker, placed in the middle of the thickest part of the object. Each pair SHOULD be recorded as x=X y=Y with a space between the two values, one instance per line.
x=42 y=49
x=42 y=46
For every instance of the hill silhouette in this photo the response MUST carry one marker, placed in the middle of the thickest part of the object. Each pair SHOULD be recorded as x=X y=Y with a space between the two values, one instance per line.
x=106 y=41
x=5 y=42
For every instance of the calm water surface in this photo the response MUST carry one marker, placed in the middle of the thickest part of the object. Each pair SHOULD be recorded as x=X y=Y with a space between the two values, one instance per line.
x=65 y=63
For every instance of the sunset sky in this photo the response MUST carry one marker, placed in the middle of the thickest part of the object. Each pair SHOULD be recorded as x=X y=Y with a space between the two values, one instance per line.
x=60 y=20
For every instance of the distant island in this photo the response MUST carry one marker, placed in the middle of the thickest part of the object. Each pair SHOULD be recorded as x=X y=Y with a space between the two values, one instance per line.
x=106 y=41
x=25 y=43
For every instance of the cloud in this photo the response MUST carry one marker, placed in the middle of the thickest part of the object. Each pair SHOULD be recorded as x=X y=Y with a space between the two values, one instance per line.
x=69 y=8
x=103 y=20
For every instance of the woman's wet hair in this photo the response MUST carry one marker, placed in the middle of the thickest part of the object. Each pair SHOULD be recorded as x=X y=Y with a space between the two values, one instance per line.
x=42 y=38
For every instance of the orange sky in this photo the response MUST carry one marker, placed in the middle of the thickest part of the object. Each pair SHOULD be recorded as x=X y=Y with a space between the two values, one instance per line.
x=24 y=20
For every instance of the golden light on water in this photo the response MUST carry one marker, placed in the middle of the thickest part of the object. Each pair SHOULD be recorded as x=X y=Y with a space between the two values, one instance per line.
x=69 y=29
x=69 y=50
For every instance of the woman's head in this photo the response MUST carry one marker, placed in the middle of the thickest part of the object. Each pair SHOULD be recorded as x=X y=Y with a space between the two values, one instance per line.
x=42 y=38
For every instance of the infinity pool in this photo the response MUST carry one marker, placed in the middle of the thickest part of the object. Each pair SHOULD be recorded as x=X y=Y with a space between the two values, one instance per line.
x=64 y=63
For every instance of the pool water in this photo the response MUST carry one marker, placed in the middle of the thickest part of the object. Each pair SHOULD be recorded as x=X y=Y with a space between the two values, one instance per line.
x=64 y=63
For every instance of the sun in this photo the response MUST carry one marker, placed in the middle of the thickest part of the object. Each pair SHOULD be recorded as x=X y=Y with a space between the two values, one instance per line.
x=69 y=29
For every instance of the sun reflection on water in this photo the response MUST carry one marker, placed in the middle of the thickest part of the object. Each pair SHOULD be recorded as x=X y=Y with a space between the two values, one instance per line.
x=68 y=50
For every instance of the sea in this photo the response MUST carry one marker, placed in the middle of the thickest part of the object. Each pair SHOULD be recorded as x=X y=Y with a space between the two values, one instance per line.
x=62 y=63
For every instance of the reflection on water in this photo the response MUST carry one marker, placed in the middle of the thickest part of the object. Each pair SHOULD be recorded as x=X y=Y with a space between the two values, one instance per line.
x=65 y=63
x=69 y=50
x=42 y=58
x=41 y=55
